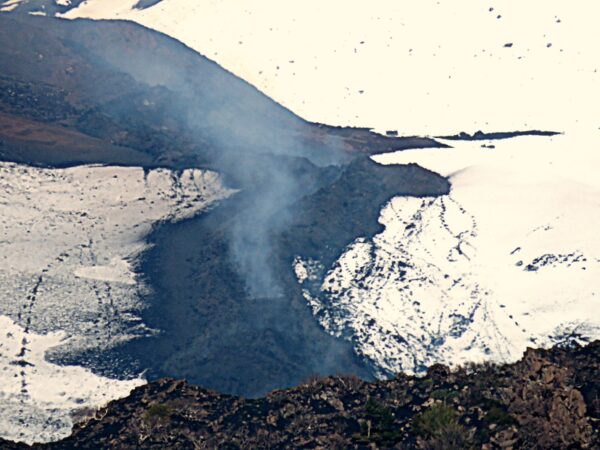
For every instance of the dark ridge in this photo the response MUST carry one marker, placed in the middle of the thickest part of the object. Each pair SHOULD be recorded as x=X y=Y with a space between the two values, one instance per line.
x=49 y=7
x=328 y=221
x=143 y=4
x=550 y=399
x=481 y=136
x=139 y=89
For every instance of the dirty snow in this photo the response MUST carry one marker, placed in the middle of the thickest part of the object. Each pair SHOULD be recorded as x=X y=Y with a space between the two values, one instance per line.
x=69 y=239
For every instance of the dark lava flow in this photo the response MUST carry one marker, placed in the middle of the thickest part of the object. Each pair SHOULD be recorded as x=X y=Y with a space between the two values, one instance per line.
x=223 y=296
x=217 y=335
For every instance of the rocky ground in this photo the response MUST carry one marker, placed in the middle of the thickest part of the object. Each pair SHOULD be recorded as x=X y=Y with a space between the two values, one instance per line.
x=550 y=399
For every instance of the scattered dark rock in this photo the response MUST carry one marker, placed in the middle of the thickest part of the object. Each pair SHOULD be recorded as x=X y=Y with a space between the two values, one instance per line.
x=143 y=4
x=481 y=136
x=547 y=400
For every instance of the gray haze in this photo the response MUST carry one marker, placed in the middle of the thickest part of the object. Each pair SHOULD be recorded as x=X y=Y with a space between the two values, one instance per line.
x=255 y=142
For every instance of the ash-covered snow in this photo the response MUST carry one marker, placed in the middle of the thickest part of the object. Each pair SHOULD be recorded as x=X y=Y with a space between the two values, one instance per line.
x=509 y=259
x=68 y=245
x=117 y=271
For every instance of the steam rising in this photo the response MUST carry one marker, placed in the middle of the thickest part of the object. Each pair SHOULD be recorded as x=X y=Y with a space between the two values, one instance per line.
x=259 y=145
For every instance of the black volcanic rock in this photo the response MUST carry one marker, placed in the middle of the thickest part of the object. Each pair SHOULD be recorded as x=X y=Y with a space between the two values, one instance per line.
x=481 y=136
x=334 y=216
x=547 y=400
x=139 y=89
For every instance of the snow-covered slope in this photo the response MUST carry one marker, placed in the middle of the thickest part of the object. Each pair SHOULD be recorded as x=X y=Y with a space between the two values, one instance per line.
x=509 y=259
x=37 y=398
x=68 y=244
x=422 y=67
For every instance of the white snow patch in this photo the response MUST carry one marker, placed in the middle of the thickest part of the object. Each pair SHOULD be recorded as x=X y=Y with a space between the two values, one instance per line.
x=10 y=5
x=300 y=270
x=509 y=259
x=306 y=269
x=68 y=244
x=396 y=65
x=118 y=271
x=37 y=398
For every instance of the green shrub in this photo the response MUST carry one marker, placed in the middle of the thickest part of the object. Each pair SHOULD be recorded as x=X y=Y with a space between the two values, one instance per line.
x=500 y=417
x=157 y=412
x=378 y=426
x=452 y=437
x=438 y=426
x=444 y=394
x=382 y=416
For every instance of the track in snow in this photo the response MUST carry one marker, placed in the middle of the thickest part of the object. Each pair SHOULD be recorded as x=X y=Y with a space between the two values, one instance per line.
x=509 y=259
x=68 y=244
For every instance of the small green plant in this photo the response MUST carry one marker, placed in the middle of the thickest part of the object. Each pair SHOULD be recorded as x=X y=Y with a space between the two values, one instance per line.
x=157 y=412
x=381 y=415
x=435 y=419
x=440 y=429
x=444 y=394
x=378 y=426
x=499 y=417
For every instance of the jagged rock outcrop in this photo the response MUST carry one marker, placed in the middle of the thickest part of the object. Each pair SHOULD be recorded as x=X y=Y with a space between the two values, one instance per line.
x=550 y=399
